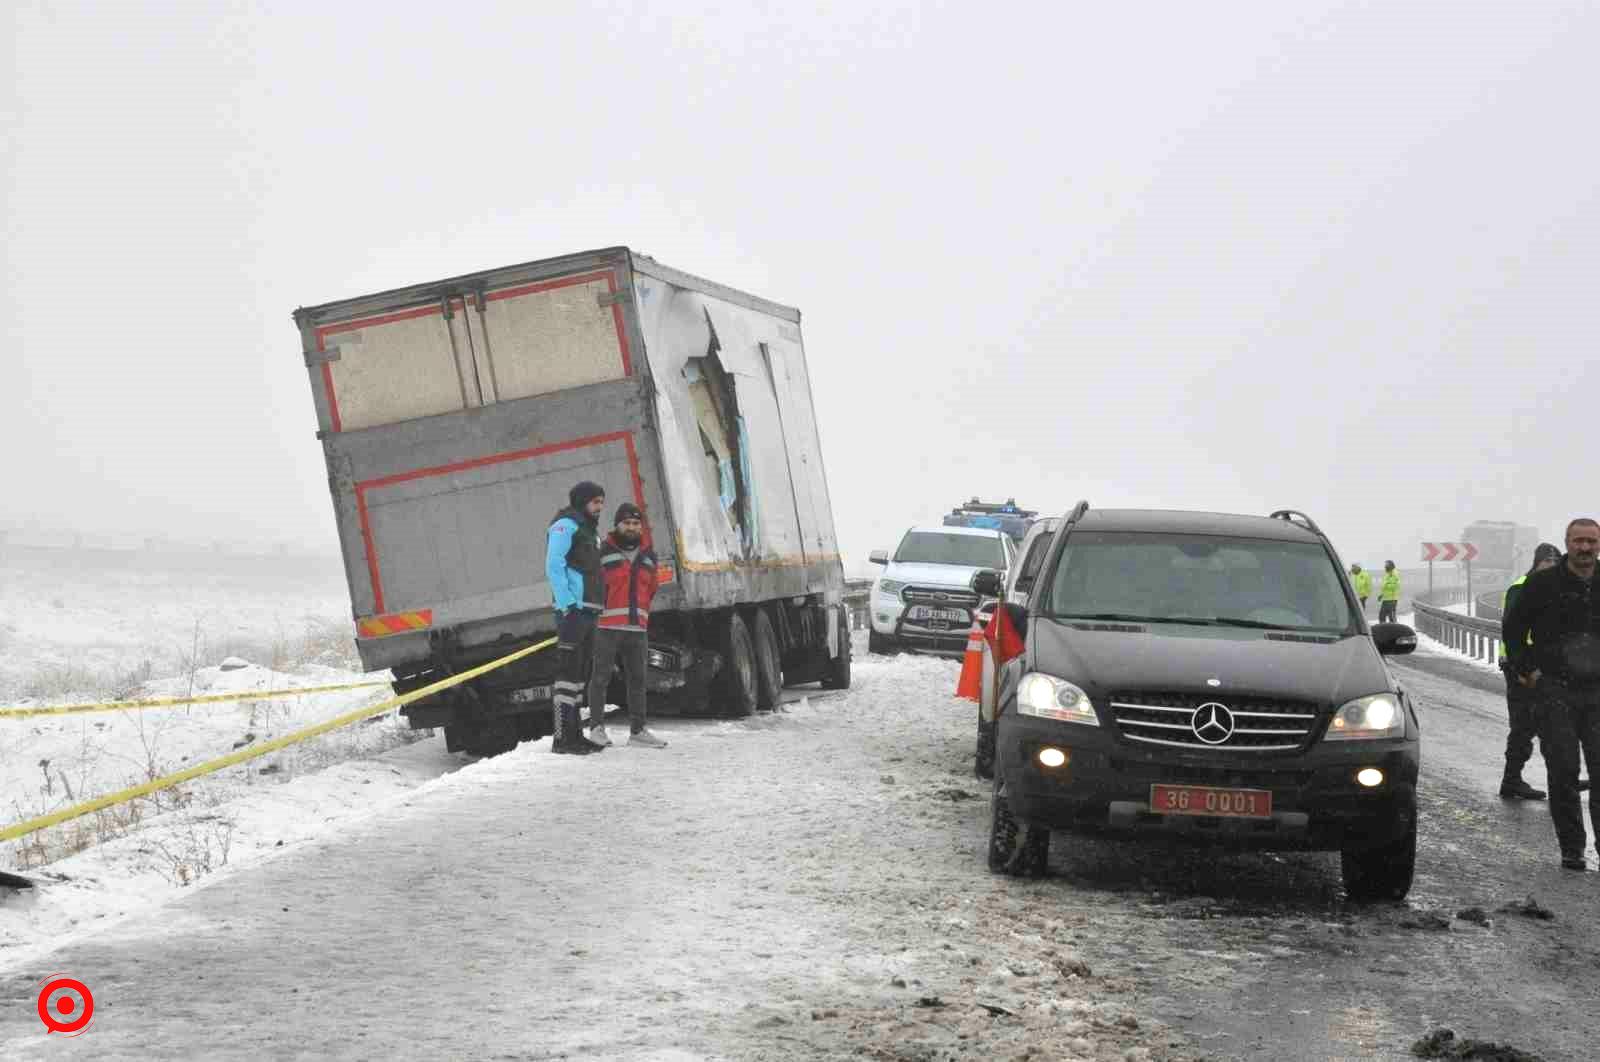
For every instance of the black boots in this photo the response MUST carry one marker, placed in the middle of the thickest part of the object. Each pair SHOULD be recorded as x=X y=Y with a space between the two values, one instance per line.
x=569 y=739
x=1517 y=789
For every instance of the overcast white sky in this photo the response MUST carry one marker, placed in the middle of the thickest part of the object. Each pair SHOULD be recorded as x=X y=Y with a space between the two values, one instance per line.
x=1241 y=256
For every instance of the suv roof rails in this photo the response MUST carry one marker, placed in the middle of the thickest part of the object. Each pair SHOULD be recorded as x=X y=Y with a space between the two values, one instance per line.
x=1288 y=516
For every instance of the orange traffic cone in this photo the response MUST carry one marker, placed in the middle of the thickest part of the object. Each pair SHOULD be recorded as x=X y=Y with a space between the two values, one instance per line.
x=970 y=685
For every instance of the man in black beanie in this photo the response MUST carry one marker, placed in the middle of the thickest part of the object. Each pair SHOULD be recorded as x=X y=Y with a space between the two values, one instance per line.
x=572 y=565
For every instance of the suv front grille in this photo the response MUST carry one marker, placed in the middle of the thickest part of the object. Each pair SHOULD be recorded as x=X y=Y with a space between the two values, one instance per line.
x=1259 y=724
x=939 y=595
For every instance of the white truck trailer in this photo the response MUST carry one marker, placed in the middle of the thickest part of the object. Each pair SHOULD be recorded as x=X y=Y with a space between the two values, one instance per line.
x=455 y=415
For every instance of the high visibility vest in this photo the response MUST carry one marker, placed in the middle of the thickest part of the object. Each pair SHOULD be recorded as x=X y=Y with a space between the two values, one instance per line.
x=1363 y=584
x=1391 y=587
x=1505 y=598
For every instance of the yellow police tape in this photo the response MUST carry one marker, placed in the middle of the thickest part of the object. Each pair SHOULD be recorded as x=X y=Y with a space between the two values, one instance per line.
x=166 y=702
x=23 y=828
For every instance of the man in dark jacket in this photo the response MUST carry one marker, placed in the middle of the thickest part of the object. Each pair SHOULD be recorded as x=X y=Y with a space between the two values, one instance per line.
x=1522 y=703
x=1560 y=608
x=572 y=565
x=628 y=580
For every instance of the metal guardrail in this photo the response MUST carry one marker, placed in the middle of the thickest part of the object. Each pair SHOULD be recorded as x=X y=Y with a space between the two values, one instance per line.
x=1476 y=636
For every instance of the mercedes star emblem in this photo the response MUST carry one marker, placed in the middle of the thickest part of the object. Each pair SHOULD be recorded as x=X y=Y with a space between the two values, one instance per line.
x=1212 y=723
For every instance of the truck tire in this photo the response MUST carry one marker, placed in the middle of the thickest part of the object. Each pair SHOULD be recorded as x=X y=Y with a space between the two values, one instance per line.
x=769 y=663
x=481 y=739
x=736 y=683
x=837 y=675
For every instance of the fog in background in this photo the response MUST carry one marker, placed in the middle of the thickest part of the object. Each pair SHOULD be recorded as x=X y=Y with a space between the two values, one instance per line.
x=1336 y=257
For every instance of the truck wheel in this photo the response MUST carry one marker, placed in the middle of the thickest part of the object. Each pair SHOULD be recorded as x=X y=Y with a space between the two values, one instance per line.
x=881 y=644
x=1380 y=873
x=769 y=665
x=837 y=675
x=736 y=684
x=1015 y=850
x=480 y=739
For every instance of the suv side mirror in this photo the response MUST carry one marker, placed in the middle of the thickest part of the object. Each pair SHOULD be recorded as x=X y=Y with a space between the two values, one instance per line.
x=1394 y=639
x=988 y=582
x=879 y=556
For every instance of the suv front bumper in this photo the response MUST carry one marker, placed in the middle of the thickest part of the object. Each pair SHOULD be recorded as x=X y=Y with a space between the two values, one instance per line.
x=1105 y=785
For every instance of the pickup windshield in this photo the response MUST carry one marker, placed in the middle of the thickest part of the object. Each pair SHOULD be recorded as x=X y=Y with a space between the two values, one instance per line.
x=1204 y=580
x=931 y=547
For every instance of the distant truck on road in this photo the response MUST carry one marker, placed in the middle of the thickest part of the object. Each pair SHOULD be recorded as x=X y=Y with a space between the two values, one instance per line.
x=455 y=415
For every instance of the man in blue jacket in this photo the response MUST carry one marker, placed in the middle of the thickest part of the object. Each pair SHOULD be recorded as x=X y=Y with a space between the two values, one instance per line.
x=572 y=564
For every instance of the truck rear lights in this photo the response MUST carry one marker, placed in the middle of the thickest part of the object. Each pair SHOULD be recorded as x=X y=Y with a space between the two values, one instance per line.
x=1370 y=777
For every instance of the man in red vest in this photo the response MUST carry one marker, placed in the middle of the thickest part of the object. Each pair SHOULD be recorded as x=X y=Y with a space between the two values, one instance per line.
x=628 y=583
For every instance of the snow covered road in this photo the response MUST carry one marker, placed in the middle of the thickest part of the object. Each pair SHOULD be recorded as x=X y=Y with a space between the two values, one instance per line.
x=801 y=885
x=810 y=885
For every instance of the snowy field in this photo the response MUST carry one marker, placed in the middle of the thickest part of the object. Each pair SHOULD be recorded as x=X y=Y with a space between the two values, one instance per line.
x=84 y=633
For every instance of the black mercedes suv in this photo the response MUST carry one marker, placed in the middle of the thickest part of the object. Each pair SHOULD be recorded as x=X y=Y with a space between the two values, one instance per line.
x=1207 y=677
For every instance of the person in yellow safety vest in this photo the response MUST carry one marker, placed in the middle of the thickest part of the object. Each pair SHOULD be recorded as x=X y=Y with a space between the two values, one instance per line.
x=1388 y=593
x=1522 y=703
x=1363 y=581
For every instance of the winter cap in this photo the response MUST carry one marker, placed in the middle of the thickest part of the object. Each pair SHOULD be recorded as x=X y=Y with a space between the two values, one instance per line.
x=628 y=511
x=584 y=493
x=1546 y=551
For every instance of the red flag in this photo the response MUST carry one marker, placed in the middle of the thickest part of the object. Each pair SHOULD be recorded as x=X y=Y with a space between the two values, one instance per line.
x=1003 y=640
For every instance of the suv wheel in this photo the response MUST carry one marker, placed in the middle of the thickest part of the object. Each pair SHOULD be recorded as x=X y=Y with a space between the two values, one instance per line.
x=983 y=765
x=881 y=644
x=1380 y=873
x=1015 y=850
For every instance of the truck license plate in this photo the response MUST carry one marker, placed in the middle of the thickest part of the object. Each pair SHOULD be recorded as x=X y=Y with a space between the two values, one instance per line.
x=532 y=694
x=1209 y=800
x=928 y=612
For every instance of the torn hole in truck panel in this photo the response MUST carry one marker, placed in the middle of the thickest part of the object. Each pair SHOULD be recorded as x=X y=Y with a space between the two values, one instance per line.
x=714 y=397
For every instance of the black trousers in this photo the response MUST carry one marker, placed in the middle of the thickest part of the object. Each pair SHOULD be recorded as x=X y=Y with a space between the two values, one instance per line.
x=1386 y=611
x=632 y=649
x=574 y=653
x=1522 y=706
x=1571 y=726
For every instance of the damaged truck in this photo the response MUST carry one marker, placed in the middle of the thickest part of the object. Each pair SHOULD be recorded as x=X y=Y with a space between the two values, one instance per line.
x=455 y=415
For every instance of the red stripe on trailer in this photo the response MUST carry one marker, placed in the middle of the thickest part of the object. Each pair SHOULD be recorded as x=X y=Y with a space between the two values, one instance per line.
x=362 y=487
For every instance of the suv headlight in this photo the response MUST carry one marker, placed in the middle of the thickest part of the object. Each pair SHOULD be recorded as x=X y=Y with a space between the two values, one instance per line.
x=890 y=588
x=1377 y=716
x=1048 y=697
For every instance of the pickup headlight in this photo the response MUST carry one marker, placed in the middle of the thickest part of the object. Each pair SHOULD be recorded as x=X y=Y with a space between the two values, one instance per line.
x=1048 y=697
x=890 y=588
x=1377 y=716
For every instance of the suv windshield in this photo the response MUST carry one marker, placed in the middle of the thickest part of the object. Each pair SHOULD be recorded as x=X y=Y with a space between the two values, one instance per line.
x=930 y=547
x=1202 y=579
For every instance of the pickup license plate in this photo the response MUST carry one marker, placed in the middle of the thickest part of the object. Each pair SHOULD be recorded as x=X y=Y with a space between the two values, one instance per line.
x=1209 y=800
x=948 y=615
